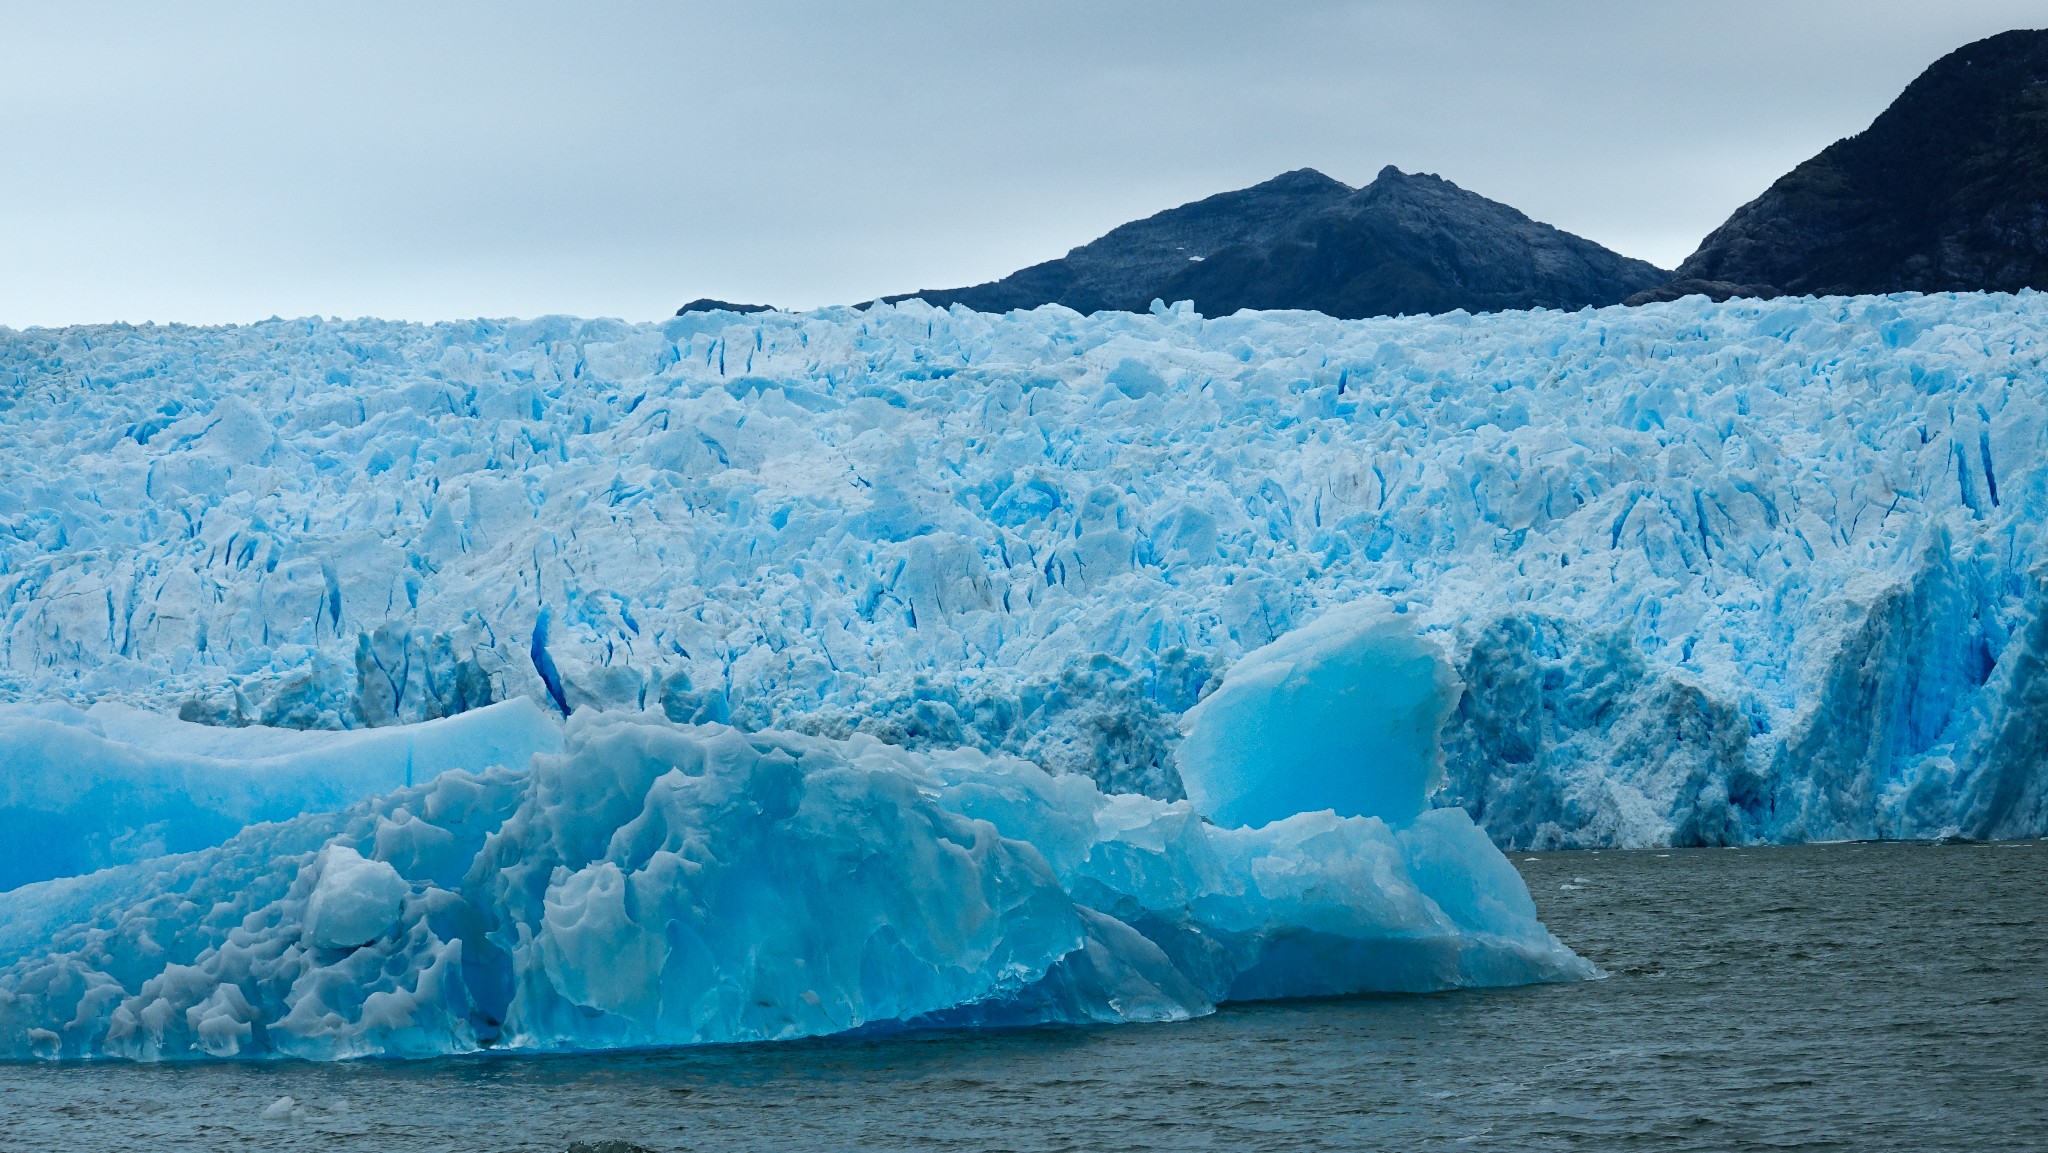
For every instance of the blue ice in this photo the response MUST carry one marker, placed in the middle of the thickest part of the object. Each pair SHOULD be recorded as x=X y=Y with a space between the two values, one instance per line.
x=657 y=883
x=1707 y=573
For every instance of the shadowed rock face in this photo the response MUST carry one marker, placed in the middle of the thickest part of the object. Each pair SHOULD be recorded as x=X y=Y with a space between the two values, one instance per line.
x=1947 y=191
x=1125 y=268
x=1715 y=290
x=707 y=304
x=1402 y=244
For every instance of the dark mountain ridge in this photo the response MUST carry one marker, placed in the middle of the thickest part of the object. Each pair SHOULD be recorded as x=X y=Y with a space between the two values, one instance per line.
x=1125 y=267
x=1402 y=244
x=1946 y=191
x=707 y=304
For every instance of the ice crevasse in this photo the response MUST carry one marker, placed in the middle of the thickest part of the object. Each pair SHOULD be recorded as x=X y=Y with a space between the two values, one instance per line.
x=657 y=882
x=1709 y=574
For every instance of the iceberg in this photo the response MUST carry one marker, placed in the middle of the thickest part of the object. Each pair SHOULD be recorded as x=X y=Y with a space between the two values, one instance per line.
x=1343 y=713
x=1707 y=573
x=666 y=883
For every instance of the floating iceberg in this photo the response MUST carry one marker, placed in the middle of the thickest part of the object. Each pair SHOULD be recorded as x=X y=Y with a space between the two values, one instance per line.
x=658 y=883
x=82 y=790
x=1343 y=714
x=1708 y=573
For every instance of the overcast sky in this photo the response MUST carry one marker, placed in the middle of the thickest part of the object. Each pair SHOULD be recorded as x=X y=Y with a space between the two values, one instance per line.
x=220 y=162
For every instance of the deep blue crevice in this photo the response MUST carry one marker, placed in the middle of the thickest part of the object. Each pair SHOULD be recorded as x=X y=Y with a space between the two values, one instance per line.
x=545 y=664
x=1990 y=475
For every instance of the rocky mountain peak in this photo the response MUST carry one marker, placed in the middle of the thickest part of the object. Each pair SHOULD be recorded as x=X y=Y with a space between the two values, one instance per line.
x=1947 y=190
x=1404 y=243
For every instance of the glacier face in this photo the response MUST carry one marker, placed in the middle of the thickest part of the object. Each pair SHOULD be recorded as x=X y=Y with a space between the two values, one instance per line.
x=1707 y=573
x=664 y=883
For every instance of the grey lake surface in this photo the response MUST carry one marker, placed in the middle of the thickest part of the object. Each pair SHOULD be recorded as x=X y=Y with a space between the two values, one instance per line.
x=1858 y=996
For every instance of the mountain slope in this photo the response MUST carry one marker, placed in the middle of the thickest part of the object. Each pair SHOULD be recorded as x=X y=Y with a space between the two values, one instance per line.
x=708 y=304
x=1124 y=269
x=1412 y=244
x=1946 y=191
x=1402 y=244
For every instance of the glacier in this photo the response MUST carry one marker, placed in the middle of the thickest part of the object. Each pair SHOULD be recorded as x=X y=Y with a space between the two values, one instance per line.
x=666 y=883
x=1705 y=573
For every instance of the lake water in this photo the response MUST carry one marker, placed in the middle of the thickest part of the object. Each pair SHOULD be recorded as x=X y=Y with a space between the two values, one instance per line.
x=1838 y=997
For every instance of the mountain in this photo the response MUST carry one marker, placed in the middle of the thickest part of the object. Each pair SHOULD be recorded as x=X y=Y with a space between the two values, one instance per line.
x=1125 y=269
x=1946 y=191
x=707 y=304
x=1402 y=244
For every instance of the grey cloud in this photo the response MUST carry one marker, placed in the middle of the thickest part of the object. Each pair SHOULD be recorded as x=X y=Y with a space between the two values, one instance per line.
x=231 y=161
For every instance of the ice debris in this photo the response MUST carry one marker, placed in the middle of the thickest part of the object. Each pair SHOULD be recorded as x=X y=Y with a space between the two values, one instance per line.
x=84 y=789
x=658 y=883
x=1709 y=574
x=355 y=901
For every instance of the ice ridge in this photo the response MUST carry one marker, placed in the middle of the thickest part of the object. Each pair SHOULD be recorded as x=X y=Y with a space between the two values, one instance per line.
x=1707 y=573
x=85 y=789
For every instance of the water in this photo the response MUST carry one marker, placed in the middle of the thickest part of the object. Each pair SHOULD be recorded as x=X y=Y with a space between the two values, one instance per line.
x=1842 y=997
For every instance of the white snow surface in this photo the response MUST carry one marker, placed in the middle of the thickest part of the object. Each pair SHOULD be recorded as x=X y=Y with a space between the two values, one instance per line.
x=1707 y=573
x=658 y=883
